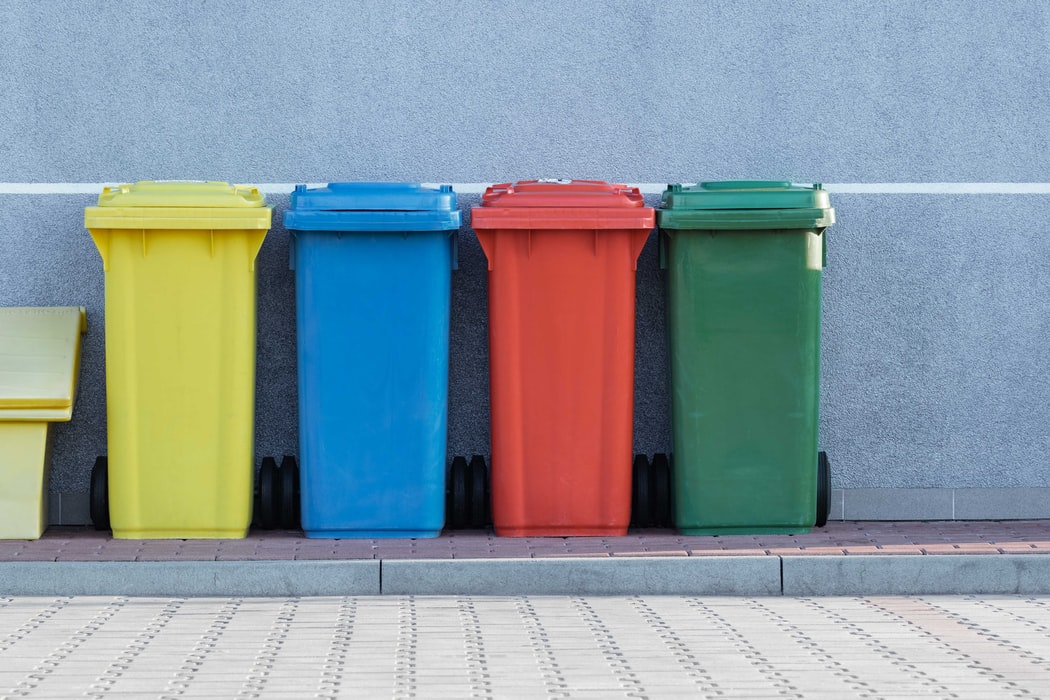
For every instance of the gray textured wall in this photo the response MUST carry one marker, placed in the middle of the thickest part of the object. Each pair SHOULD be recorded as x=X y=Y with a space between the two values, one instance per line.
x=935 y=368
x=861 y=91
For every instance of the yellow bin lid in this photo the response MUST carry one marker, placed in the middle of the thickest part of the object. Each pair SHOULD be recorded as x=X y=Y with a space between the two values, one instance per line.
x=179 y=205
x=39 y=361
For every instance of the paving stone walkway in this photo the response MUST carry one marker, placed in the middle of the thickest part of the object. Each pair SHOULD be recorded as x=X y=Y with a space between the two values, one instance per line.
x=526 y=647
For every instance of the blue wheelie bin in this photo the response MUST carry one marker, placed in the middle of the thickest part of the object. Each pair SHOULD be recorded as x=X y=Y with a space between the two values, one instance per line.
x=373 y=268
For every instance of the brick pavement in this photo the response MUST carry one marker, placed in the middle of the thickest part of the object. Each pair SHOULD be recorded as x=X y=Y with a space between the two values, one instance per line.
x=70 y=544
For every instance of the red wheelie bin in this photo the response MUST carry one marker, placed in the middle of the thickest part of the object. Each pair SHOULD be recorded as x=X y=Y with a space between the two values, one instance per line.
x=561 y=259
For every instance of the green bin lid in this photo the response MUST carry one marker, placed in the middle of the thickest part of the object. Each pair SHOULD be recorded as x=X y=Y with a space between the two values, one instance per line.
x=745 y=204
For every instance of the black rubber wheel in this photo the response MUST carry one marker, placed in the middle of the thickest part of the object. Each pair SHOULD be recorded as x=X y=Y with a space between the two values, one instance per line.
x=479 y=505
x=823 y=489
x=660 y=490
x=458 y=481
x=288 y=476
x=640 y=515
x=99 y=501
x=266 y=505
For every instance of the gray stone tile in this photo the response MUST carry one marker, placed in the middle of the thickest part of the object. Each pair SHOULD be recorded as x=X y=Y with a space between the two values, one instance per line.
x=54 y=508
x=897 y=504
x=74 y=508
x=1002 y=504
x=837 y=496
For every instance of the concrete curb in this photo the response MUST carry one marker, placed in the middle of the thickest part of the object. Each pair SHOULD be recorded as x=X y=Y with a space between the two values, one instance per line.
x=191 y=578
x=731 y=575
x=916 y=575
x=709 y=576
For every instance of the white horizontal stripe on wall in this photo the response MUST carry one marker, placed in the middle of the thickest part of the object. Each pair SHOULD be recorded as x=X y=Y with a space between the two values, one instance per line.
x=941 y=188
x=46 y=188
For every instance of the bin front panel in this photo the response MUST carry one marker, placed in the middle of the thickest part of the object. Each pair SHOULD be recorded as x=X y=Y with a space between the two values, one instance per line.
x=745 y=357
x=373 y=324
x=561 y=334
x=180 y=380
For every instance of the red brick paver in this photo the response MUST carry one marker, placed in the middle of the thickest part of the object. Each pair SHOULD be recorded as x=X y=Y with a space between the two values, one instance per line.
x=837 y=539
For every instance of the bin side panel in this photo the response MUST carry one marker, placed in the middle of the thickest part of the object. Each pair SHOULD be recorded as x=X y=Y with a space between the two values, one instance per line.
x=180 y=379
x=373 y=324
x=561 y=333
x=25 y=465
x=745 y=358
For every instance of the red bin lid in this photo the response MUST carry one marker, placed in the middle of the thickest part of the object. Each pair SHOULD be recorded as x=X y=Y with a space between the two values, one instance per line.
x=562 y=204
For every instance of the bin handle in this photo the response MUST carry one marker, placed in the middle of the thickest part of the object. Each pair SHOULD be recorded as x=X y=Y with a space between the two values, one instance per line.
x=102 y=238
x=665 y=235
x=453 y=247
x=487 y=239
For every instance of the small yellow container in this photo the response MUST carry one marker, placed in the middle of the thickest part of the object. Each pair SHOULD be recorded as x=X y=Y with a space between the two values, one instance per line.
x=179 y=260
x=39 y=365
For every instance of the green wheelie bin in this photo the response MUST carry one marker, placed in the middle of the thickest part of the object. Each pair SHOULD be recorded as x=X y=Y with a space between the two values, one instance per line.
x=744 y=262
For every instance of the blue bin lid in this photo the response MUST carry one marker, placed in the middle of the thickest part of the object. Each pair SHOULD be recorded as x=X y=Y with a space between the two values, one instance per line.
x=373 y=206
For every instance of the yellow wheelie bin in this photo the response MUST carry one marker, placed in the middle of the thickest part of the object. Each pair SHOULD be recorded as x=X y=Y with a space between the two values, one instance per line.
x=39 y=364
x=179 y=260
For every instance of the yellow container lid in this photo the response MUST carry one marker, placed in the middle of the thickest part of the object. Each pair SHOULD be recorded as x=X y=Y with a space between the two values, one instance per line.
x=179 y=205
x=39 y=359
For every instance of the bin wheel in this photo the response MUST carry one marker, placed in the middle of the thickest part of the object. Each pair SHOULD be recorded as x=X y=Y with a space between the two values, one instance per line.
x=823 y=489
x=267 y=494
x=640 y=493
x=479 y=502
x=99 y=501
x=288 y=475
x=458 y=478
x=660 y=490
